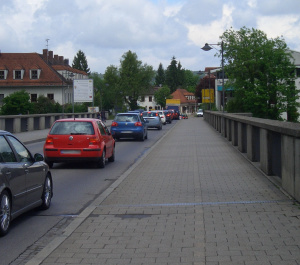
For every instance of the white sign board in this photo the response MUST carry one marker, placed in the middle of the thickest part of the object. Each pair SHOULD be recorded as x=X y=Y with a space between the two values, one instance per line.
x=83 y=90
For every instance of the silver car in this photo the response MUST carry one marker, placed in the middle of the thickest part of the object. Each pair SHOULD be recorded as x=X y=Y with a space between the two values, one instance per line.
x=25 y=181
x=153 y=118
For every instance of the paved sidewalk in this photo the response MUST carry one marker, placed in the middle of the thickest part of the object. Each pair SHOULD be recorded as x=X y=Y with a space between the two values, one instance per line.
x=192 y=199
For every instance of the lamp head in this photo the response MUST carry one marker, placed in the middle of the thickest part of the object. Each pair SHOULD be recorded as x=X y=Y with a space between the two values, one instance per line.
x=206 y=47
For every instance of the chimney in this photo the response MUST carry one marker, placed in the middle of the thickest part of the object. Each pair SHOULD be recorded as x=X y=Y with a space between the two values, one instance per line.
x=66 y=62
x=55 y=59
x=50 y=56
x=45 y=53
x=61 y=60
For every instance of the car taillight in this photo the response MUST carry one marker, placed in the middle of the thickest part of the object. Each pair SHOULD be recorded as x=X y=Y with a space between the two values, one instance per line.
x=49 y=140
x=138 y=124
x=114 y=124
x=94 y=141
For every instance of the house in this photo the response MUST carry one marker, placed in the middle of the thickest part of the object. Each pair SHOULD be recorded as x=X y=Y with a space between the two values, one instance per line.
x=188 y=102
x=38 y=74
x=147 y=100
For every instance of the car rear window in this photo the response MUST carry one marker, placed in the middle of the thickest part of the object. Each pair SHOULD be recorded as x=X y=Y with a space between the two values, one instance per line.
x=149 y=114
x=72 y=127
x=126 y=118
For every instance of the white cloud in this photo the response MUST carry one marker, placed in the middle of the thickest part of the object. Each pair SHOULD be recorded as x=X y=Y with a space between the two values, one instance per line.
x=155 y=30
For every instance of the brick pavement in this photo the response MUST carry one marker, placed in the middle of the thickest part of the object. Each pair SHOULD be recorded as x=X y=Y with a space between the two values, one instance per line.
x=193 y=199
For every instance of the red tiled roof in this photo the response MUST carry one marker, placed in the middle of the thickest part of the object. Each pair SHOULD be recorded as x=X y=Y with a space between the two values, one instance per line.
x=27 y=62
x=181 y=93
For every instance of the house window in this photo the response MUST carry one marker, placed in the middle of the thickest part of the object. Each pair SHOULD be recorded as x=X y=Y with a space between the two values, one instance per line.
x=142 y=98
x=33 y=97
x=150 y=98
x=3 y=74
x=34 y=74
x=18 y=74
x=50 y=96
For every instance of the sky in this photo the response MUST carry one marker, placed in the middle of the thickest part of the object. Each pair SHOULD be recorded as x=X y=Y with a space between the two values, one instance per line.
x=156 y=30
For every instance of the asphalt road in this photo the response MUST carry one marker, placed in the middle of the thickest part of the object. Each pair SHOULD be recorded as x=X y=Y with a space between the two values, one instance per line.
x=75 y=186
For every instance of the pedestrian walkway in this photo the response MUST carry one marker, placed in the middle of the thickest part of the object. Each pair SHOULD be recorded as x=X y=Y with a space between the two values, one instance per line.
x=192 y=199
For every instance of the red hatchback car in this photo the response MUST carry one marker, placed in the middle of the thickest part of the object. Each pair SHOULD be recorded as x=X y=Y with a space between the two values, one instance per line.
x=79 y=139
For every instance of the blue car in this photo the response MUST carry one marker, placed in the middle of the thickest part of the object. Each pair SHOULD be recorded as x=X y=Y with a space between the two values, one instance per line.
x=129 y=125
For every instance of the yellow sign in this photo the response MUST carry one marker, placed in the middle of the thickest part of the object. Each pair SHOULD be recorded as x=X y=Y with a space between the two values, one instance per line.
x=172 y=101
x=208 y=96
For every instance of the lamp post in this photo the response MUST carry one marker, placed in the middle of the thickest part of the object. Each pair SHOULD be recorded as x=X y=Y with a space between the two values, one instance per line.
x=68 y=74
x=208 y=48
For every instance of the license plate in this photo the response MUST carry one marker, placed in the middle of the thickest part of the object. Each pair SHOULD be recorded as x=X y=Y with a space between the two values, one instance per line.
x=73 y=152
x=126 y=132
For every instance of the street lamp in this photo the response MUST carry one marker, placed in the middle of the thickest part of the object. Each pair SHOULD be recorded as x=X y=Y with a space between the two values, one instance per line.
x=206 y=48
x=68 y=74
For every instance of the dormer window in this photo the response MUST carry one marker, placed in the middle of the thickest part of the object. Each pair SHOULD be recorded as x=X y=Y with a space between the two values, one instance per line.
x=35 y=74
x=3 y=74
x=18 y=74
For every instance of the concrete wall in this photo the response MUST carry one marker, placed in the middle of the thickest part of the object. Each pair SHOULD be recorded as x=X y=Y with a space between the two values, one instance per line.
x=23 y=123
x=275 y=145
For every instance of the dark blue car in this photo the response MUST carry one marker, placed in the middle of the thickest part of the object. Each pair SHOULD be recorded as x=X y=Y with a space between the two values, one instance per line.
x=129 y=125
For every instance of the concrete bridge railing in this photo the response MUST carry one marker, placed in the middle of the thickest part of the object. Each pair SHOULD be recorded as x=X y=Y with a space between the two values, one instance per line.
x=24 y=123
x=274 y=145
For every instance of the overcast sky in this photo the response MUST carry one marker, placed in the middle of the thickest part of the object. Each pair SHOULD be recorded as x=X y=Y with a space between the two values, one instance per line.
x=156 y=30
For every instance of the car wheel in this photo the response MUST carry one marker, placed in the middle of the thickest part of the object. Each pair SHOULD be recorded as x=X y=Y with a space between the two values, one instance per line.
x=101 y=162
x=5 y=213
x=142 y=137
x=47 y=193
x=146 y=136
x=112 y=158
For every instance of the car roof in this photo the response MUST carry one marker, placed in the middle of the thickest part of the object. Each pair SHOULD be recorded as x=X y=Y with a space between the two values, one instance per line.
x=77 y=119
x=5 y=132
x=131 y=113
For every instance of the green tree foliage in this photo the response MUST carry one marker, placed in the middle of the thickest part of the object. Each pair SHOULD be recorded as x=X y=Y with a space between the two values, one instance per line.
x=112 y=88
x=160 y=77
x=174 y=75
x=45 y=105
x=190 y=80
x=261 y=73
x=135 y=78
x=80 y=62
x=161 y=95
x=17 y=103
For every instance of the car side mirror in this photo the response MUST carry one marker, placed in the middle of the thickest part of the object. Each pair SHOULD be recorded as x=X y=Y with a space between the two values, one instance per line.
x=38 y=157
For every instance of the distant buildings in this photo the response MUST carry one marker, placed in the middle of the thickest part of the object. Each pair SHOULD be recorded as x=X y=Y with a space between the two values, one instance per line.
x=39 y=74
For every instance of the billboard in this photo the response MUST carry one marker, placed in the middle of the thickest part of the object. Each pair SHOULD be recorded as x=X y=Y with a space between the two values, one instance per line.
x=172 y=101
x=208 y=96
x=83 y=90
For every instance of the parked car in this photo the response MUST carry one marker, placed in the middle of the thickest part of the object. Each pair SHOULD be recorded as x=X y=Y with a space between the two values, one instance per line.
x=129 y=125
x=153 y=118
x=140 y=111
x=168 y=115
x=200 y=113
x=184 y=116
x=25 y=181
x=162 y=116
x=79 y=139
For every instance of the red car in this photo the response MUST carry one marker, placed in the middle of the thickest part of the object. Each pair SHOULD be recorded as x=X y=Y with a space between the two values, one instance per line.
x=79 y=139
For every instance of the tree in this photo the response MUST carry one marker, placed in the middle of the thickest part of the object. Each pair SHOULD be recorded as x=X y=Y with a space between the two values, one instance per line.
x=80 y=62
x=190 y=80
x=161 y=95
x=261 y=73
x=112 y=88
x=17 y=103
x=160 y=77
x=172 y=75
x=136 y=78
